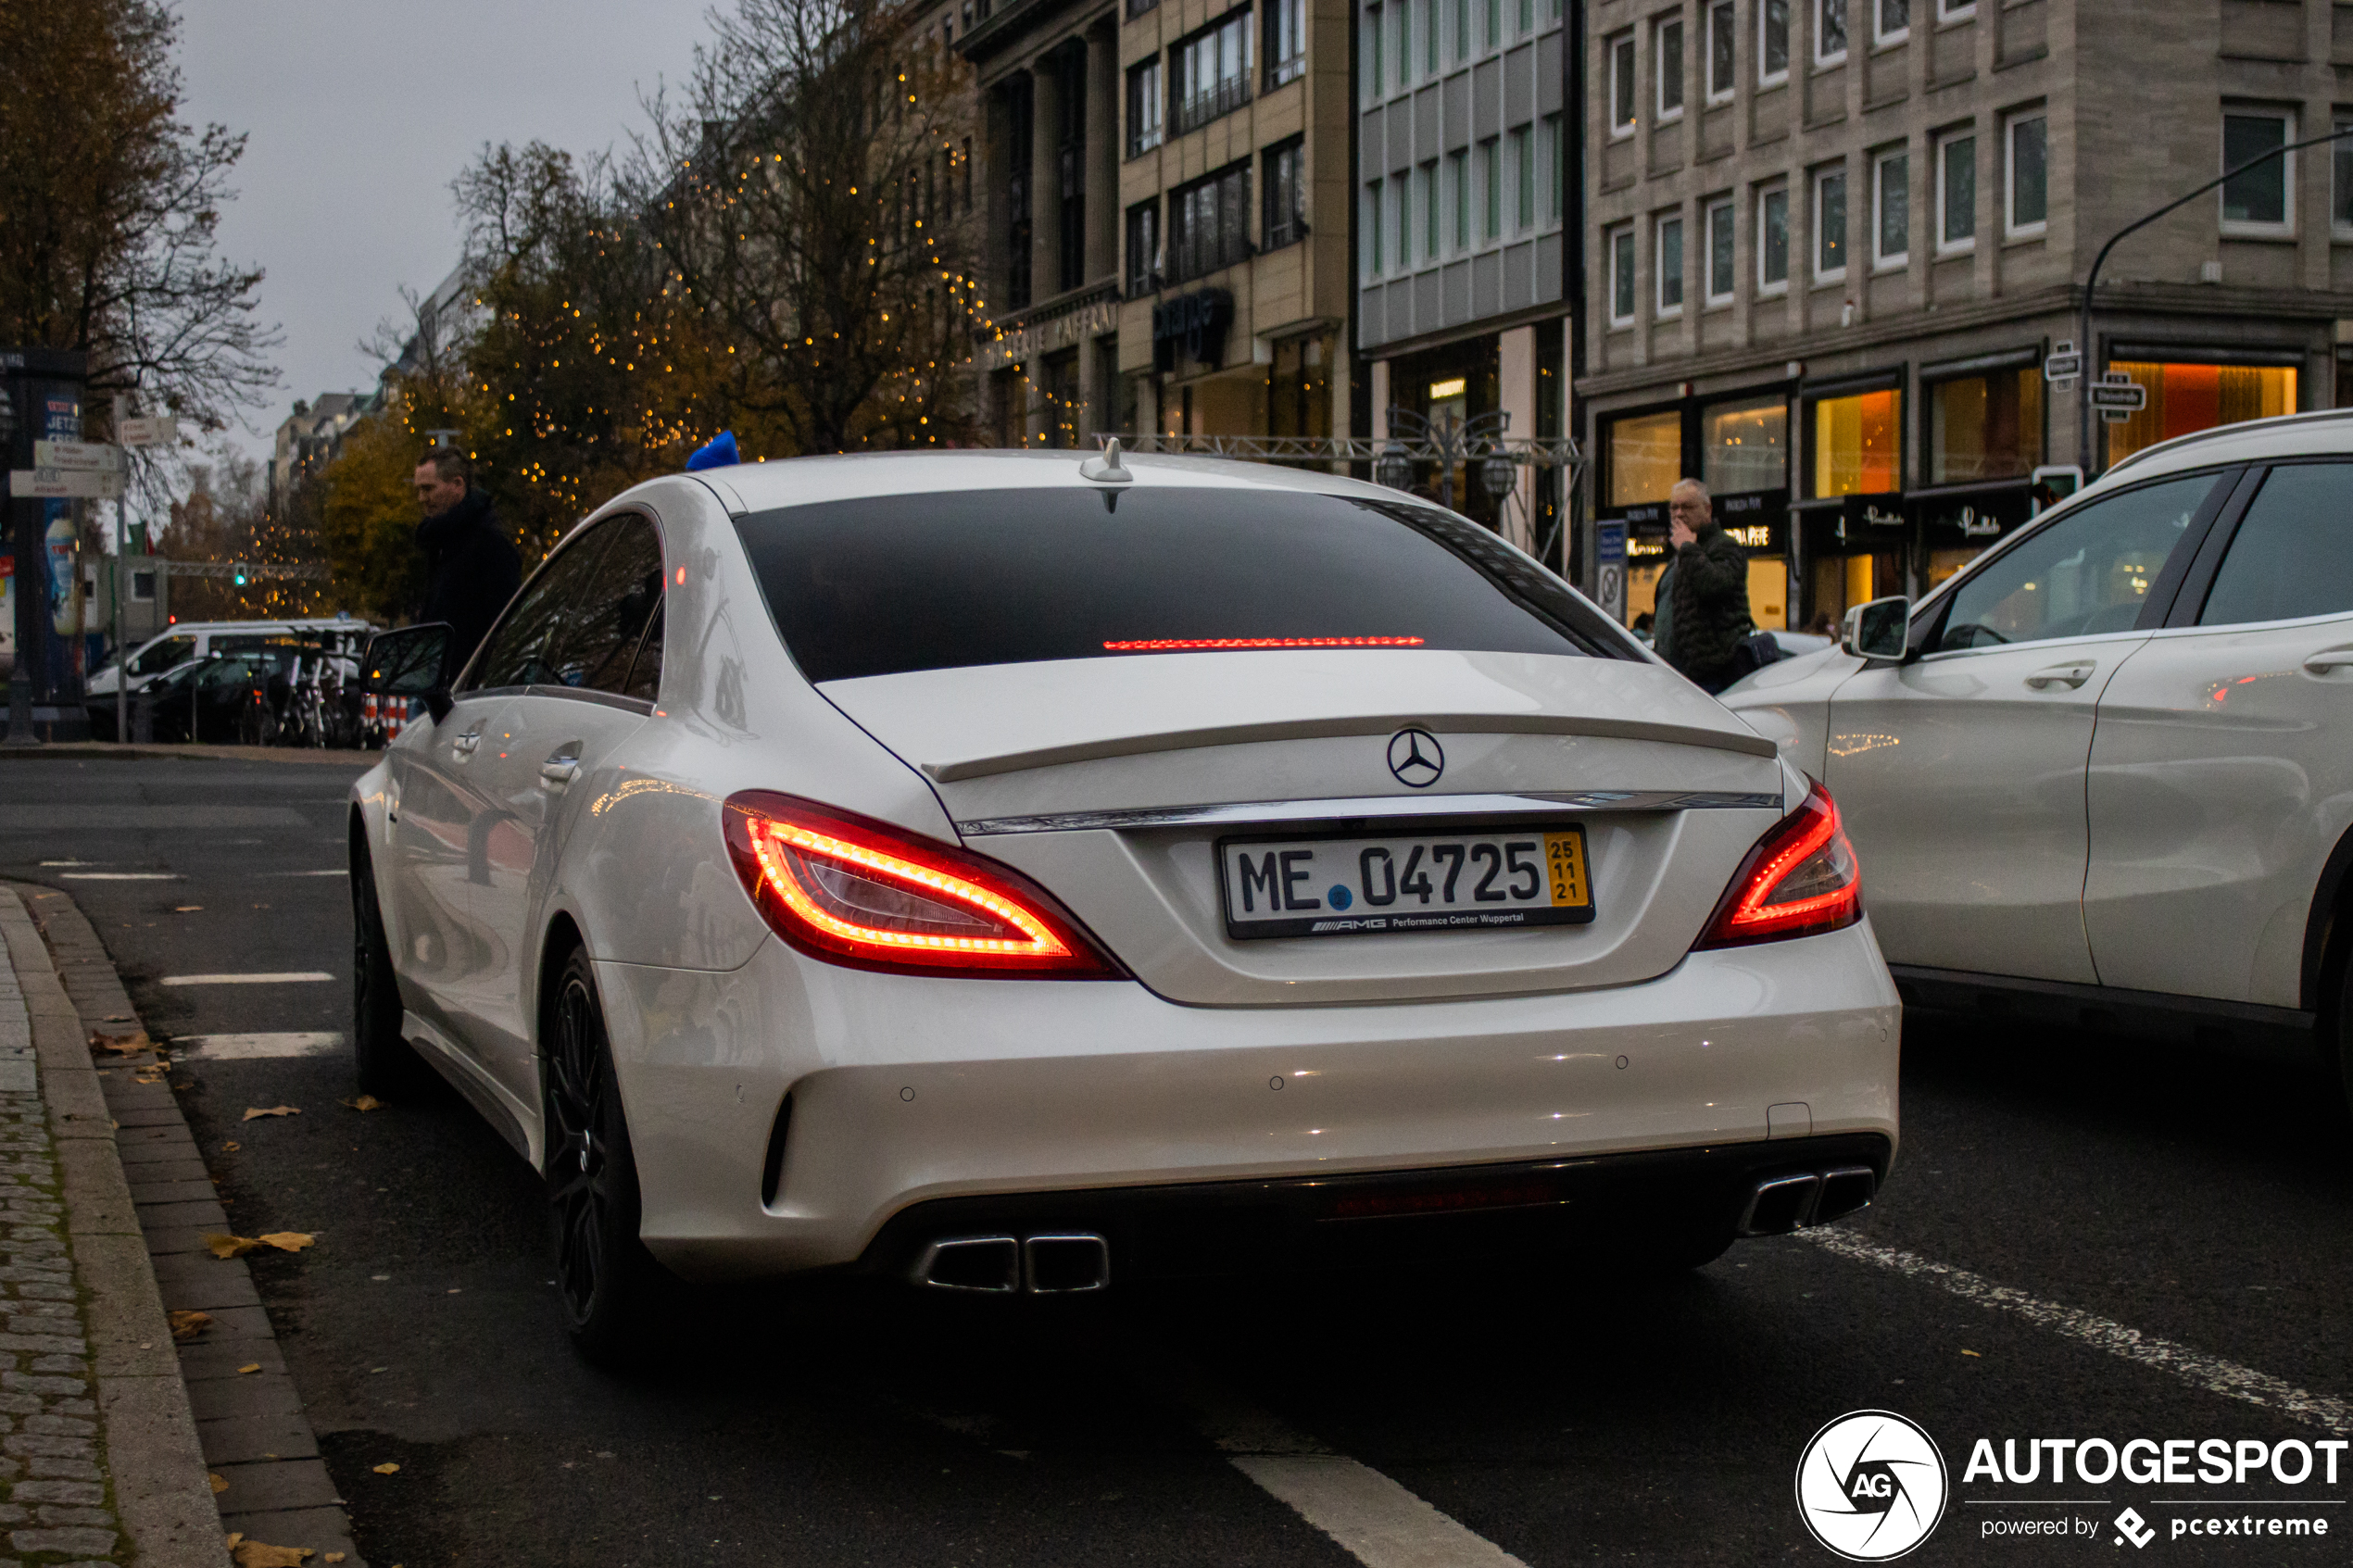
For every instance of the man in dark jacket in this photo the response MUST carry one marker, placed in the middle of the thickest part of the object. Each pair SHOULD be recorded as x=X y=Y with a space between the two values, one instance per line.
x=1705 y=600
x=472 y=568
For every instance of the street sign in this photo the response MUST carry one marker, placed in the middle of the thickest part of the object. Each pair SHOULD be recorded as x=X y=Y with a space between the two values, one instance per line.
x=2115 y=416
x=63 y=484
x=77 y=457
x=2062 y=367
x=161 y=431
x=2130 y=396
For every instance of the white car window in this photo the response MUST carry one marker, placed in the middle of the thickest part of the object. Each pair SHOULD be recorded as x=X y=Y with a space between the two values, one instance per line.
x=607 y=619
x=2087 y=573
x=521 y=649
x=2293 y=553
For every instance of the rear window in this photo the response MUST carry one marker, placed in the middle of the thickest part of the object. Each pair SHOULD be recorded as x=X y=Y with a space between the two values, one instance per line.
x=934 y=581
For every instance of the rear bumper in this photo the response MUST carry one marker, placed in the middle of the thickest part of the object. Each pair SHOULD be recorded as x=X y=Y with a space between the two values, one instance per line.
x=908 y=1092
x=1386 y=1218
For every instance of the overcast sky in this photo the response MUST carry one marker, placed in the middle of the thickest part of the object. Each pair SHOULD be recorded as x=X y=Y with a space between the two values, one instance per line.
x=359 y=114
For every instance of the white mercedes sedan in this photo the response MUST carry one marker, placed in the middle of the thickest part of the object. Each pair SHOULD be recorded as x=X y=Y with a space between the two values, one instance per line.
x=1011 y=875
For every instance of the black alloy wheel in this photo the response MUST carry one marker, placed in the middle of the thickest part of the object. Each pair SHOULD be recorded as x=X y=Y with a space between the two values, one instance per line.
x=384 y=1062
x=608 y=1285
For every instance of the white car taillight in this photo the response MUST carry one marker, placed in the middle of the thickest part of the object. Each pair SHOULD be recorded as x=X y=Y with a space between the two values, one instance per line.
x=1800 y=880
x=853 y=891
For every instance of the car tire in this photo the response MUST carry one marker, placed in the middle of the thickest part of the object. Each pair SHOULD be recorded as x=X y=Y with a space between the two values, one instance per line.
x=384 y=1063
x=609 y=1287
x=2341 y=1047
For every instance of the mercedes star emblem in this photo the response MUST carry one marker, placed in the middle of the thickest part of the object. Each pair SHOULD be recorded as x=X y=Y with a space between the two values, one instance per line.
x=1415 y=757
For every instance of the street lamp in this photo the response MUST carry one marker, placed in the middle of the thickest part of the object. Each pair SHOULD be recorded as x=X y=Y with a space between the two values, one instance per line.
x=2091 y=359
x=1393 y=468
x=1500 y=474
x=1450 y=441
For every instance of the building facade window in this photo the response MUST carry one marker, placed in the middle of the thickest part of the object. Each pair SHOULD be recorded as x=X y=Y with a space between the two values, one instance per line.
x=1892 y=195
x=1143 y=247
x=1723 y=31
x=1462 y=29
x=2026 y=193
x=1956 y=193
x=1368 y=232
x=1829 y=32
x=1143 y=108
x=1772 y=240
x=1371 y=53
x=1829 y=225
x=1772 y=42
x=1524 y=178
x=1212 y=72
x=2341 y=180
x=1666 y=63
x=1645 y=457
x=1669 y=254
x=1891 y=20
x=1745 y=446
x=1858 y=444
x=1286 y=40
x=1431 y=27
x=1285 y=182
x=1401 y=44
x=2187 y=398
x=1621 y=275
x=1491 y=189
x=1426 y=196
x=2255 y=202
x=1986 y=427
x=1209 y=223
x=1721 y=254
x=1956 y=10
x=1549 y=167
x=1458 y=198
x=1494 y=23
x=1622 y=85
x=1400 y=218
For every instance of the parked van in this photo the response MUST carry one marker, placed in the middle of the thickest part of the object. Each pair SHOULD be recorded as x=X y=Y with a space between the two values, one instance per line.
x=200 y=639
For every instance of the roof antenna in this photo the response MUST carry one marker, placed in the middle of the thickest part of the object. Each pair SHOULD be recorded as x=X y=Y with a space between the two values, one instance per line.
x=1106 y=469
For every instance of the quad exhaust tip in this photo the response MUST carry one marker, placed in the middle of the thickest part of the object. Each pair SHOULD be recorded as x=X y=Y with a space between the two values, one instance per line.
x=1059 y=1263
x=1779 y=1205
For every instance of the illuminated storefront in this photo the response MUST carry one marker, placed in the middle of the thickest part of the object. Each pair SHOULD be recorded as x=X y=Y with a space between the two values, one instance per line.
x=1739 y=447
x=2185 y=398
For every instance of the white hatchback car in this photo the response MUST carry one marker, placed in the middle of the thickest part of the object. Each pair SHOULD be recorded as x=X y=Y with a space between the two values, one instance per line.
x=2104 y=772
x=1006 y=874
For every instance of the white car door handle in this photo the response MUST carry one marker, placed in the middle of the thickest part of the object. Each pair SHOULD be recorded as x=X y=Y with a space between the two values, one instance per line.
x=556 y=772
x=2068 y=675
x=464 y=745
x=2328 y=660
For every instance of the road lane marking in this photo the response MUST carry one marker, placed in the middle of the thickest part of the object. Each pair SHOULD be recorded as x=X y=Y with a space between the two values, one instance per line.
x=2213 y=1374
x=1374 y=1519
x=291 y=977
x=119 y=876
x=255 y=1047
x=339 y=870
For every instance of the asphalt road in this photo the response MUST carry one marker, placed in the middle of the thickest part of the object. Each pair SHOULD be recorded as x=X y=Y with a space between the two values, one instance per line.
x=2127 y=1192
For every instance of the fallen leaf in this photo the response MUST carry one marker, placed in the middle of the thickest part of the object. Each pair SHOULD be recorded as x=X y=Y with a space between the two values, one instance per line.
x=185 y=909
x=116 y=1018
x=333 y=1557
x=232 y=1147
x=122 y=1044
x=365 y=1103
x=1973 y=1354
x=388 y=1469
x=230 y=1245
x=234 y=1537
x=252 y=1112
x=187 y=1325
x=249 y=1366
x=219 y=1482
x=288 y=1241
x=254 y=1554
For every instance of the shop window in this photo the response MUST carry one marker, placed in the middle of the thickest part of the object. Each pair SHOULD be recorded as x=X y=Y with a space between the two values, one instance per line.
x=1986 y=427
x=1956 y=193
x=2255 y=202
x=2185 y=398
x=1667 y=64
x=1645 y=457
x=1723 y=32
x=2028 y=193
x=1772 y=240
x=1858 y=444
x=1772 y=43
x=1745 y=446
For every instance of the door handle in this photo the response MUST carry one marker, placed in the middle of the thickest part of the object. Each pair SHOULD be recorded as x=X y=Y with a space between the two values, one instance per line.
x=2068 y=675
x=556 y=771
x=464 y=745
x=2329 y=660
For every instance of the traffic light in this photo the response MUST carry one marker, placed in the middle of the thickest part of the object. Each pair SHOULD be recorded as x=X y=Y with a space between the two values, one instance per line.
x=241 y=574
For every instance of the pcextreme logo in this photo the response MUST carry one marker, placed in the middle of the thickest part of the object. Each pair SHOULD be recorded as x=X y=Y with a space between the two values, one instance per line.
x=1871 y=1485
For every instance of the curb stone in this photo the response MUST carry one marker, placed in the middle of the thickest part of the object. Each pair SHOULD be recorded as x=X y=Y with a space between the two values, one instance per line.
x=247 y=1429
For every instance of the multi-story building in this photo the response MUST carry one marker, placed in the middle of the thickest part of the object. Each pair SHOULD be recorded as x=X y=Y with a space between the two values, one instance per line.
x=1167 y=216
x=1464 y=225
x=1835 y=240
x=309 y=438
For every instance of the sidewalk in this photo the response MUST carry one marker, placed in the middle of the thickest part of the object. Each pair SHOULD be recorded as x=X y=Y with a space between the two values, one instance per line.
x=87 y=749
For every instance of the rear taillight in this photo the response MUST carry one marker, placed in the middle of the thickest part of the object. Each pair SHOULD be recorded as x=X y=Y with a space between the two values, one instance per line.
x=853 y=891
x=1800 y=879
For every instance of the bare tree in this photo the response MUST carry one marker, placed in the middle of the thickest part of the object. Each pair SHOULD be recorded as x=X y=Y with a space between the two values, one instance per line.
x=806 y=199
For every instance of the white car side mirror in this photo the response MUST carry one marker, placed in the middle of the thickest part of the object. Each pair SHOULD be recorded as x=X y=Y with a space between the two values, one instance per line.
x=1877 y=629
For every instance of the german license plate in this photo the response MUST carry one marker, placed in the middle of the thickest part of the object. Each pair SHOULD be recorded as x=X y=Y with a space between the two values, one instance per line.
x=1464 y=881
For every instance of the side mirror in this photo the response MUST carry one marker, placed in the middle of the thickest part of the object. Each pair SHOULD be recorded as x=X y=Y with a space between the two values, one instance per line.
x=414 y=661
x=1877 y=629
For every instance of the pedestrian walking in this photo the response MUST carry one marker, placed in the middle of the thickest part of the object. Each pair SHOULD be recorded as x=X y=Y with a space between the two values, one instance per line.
x=1703 y=595
x=472 y=568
